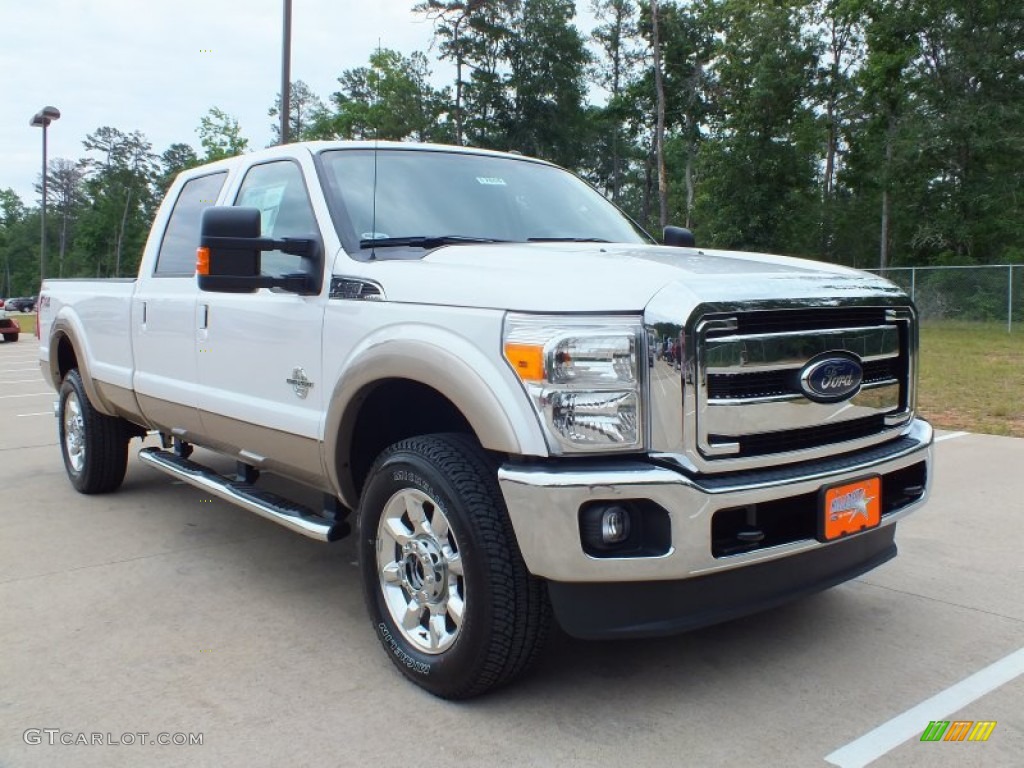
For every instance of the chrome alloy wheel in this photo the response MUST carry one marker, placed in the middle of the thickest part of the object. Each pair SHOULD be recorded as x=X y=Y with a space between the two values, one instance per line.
x=74 y=432
x=420 y=571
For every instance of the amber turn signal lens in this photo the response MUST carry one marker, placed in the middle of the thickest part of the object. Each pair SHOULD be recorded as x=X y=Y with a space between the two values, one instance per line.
x=202 y=261
x=527 y=360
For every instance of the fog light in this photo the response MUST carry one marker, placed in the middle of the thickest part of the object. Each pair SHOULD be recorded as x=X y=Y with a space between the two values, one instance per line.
x=624 y=528
x=609 y=527
x=614 y=525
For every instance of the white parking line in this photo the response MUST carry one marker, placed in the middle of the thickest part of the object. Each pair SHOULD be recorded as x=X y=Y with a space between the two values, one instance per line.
x=951 y=436
x=30 y=394
x=40 y=413
x=886 y=737
x=19 y=381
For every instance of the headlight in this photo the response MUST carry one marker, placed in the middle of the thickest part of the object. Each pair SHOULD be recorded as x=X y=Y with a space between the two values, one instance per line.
x=583 y=378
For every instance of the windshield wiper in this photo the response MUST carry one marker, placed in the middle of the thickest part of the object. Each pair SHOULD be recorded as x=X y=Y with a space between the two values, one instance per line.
x=567 y=240
x=423 y=241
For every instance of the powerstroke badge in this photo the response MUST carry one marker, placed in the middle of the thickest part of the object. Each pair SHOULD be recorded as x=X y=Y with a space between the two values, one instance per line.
x=300 y=384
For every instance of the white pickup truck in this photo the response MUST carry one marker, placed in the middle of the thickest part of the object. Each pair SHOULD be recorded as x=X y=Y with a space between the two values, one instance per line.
x=531 y=406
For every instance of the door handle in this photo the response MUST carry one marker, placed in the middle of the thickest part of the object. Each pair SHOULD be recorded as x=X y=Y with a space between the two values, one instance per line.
x=204 y=316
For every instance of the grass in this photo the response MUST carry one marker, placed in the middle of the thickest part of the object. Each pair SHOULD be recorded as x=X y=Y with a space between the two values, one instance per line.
x=972 y=377
x=26 y=321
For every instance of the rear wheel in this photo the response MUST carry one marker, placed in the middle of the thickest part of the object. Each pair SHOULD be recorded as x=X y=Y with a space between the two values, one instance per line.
x=10 y=337
x=94 y=445
x=446 y=587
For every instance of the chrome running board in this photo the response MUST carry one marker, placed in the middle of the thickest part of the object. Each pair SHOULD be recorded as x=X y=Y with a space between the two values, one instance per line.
x=265 y=504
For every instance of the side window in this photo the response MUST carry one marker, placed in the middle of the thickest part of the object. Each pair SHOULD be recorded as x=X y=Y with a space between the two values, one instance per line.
x=279 y=191
x=177 y=255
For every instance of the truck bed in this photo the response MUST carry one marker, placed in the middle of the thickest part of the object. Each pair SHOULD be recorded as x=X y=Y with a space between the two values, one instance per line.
x=103 y=305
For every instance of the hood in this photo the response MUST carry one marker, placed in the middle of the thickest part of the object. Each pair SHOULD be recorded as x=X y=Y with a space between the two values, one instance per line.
x=598 y=277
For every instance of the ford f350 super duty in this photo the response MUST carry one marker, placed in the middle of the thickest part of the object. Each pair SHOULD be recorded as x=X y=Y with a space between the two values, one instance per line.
x=531 y=407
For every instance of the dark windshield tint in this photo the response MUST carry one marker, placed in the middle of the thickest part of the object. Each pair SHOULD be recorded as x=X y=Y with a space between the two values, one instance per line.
x=443 y=194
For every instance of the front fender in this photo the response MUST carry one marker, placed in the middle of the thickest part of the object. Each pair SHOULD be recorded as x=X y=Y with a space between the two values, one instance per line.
x=483 y=389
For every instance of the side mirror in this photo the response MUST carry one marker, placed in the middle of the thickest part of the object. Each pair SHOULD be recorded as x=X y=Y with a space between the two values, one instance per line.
x=679 y=236
x=230 y=247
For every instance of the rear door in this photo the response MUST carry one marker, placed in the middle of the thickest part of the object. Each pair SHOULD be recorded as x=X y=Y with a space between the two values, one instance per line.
x=260 y=372
x=164 y=327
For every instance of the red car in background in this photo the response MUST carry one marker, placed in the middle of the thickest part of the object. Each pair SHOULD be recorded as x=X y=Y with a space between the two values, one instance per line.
x=9 y=327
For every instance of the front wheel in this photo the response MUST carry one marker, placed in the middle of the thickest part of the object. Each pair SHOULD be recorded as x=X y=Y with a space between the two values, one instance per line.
x=445 y=584
x=94 y=445
x=10 y=337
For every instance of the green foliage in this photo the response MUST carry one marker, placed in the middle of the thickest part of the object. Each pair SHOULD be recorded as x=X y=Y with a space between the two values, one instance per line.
x=390 y=99
x=304 y=107
x=220 y=136
x=793 y=126
x=19 y=246
x=176 y=158
x=546 y=86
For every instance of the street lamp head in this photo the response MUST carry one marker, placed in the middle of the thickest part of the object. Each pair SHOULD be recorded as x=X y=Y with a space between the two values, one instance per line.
x=44 y=117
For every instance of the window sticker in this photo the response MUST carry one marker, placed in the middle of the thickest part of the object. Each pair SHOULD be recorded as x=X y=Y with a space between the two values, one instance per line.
x=490 y=181
x=268 y=200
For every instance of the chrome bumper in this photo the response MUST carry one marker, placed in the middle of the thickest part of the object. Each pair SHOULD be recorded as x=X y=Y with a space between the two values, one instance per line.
x=544 y=499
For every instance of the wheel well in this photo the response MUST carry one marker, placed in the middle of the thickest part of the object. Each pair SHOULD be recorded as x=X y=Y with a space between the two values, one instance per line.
x=392 y=410
x=66 y=359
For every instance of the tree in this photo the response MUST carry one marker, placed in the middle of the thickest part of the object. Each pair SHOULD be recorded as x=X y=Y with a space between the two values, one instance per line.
x=176 y=158
x=616 y=36
x=659 y=131
x=66 y=189
x=548 y=62
x=759 y=162
x=451 y=19
x=390 y=99
x=15 y=244
x=303 y=105
x=120 y=188
x=220 y=136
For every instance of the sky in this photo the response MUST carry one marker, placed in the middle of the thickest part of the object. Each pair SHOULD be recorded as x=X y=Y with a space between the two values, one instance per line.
x=158 y=66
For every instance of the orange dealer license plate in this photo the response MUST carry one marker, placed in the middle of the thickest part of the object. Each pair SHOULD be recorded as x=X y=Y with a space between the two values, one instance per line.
x=850 y=508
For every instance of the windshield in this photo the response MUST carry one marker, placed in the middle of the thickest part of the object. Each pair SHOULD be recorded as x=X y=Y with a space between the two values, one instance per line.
x=429 y=198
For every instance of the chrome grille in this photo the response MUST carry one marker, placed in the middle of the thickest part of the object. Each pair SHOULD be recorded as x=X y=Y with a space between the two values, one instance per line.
x=749 y=404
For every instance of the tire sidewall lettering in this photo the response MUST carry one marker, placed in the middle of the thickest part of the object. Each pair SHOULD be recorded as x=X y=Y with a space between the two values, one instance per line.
x=400 y=653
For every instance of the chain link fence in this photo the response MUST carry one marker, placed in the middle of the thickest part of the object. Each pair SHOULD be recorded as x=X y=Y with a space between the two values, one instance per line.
x=979 y=293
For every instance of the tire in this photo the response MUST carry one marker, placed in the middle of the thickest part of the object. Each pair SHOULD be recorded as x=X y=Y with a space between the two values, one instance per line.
x=436 y=547
x=94 y=446
x=10 y=337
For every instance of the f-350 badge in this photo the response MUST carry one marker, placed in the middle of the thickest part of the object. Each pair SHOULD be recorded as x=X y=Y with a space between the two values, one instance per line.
x=300 y=384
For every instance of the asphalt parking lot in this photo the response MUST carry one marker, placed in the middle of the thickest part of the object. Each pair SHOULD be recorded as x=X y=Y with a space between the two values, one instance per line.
x=156 y=611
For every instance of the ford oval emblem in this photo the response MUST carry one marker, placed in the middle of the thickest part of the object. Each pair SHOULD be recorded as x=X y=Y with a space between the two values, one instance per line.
x=832 y=377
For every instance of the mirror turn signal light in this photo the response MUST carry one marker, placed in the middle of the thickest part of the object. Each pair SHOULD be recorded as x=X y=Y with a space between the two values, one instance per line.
x=202 y=260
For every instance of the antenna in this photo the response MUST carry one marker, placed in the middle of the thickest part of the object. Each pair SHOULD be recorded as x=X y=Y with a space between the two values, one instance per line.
x=376 y=140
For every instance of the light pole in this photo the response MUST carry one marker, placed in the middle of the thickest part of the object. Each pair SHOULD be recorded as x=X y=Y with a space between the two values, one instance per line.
x=42 y=119
x=286 y=63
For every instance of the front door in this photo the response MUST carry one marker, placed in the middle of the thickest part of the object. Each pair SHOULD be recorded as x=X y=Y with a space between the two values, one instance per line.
x=261 y=391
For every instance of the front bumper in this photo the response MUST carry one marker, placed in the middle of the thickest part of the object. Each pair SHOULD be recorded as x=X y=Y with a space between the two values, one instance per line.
x=654 y=608
x=544 y=500
x=690 y=585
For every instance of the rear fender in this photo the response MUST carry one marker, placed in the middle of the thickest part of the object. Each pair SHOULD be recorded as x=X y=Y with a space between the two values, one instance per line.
x=67 y=326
